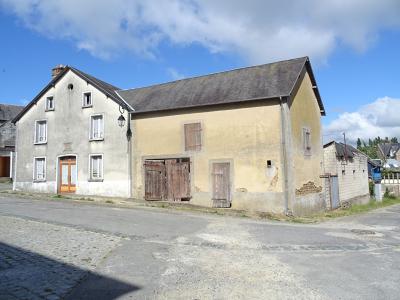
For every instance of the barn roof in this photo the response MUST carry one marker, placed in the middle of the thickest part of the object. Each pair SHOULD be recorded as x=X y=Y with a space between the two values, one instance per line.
x=9 y=111
x=269 y=81
x=265 y=82
x=344 y=150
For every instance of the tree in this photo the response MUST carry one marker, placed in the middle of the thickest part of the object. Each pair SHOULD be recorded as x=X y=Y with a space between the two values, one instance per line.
x=394 y=140
x=359 y=145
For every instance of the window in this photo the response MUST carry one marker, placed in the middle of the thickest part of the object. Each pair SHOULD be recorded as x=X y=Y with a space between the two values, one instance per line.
x=50 y=103
x=96 y=127
x=87 y=99
x=307 y=141
x=39 y=173
x=41 y=132
x=96 y=167
x=192 y=137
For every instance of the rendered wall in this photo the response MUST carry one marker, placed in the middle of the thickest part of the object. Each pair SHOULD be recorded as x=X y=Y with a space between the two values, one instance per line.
x=305 y=113
x=68 y=134
x=245 y=135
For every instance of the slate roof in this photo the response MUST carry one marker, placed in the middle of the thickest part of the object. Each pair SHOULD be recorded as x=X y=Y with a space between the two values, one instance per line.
x=106 y=88
x=8 y=111
x=389 y=149
x=342 y=149
x=264 y=82
x=269 y=81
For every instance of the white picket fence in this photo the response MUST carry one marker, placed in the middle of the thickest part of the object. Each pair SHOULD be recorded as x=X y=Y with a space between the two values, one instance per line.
x=391 y=179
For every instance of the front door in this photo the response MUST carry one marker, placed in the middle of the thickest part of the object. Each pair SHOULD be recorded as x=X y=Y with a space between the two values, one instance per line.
x=67 y=174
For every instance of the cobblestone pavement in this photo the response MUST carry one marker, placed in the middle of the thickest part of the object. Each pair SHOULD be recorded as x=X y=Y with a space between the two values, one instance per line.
x=44 y=261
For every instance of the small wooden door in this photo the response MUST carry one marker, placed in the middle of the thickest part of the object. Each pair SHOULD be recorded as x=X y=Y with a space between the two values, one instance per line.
x=221 y=189
x=154 y=180
x=177 y=179
x=68 y=171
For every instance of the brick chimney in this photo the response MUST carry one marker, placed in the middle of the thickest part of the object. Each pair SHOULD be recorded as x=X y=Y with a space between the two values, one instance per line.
x=57 y=70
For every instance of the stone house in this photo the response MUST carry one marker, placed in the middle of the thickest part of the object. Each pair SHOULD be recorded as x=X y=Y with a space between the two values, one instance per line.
x=248 y=139
x=348 y=167
x=7 y=138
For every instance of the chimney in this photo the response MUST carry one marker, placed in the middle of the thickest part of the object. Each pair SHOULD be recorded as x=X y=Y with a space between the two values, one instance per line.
x=57 y=70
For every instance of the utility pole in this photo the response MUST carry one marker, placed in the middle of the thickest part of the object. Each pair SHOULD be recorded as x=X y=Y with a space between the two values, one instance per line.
x=345 y=146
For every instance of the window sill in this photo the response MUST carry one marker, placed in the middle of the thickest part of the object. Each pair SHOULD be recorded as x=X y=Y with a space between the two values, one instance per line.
x=87 y=106
x=95 y=180
x=96 y=140
x=40 y=143
x=39 y=181
x=49 y=110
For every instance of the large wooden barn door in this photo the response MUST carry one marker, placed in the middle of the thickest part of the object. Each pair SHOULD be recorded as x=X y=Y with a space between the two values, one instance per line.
x=221 y=184
x=167 y=179
x=154 y=180
x=178 y=179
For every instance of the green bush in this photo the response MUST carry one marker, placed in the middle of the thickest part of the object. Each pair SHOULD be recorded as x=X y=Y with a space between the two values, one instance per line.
x=371 y=188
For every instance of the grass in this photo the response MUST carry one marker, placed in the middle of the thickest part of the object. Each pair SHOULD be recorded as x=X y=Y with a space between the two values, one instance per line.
x=58 y=196
x=343 y=212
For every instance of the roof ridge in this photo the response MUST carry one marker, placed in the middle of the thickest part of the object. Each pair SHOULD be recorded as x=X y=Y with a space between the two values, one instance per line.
x=15 y=105
x=89 y=75
x=215 y=73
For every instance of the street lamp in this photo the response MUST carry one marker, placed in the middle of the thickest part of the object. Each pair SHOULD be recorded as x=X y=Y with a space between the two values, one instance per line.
x=121 y=118
x=121 y=121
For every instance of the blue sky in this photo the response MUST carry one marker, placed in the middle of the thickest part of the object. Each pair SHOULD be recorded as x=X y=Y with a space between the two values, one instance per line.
x=356 y=64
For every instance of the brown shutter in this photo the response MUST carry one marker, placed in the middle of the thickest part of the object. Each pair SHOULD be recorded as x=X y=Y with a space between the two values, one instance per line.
x=192 y=137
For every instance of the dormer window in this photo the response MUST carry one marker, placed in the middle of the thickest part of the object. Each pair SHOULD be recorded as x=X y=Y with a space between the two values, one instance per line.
x=87 y=99
x=50 y=103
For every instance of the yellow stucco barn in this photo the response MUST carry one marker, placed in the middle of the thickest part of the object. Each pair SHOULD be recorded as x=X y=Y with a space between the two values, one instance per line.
x=247 y=139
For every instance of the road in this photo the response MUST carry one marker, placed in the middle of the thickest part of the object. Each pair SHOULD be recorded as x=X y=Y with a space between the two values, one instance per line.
x=63 y=249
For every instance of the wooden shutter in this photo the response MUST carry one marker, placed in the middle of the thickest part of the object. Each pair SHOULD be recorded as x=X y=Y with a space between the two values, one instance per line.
x=221 y=184
x=307 y=141
x=193 y=137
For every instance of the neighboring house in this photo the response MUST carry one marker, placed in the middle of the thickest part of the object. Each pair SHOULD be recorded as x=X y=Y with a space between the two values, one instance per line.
x=248 y=138
x=7 y=138
x=346 y=173
x=389 y=150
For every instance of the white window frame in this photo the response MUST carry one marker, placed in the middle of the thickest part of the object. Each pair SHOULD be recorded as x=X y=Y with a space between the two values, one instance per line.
x=35 y=178
x=83 y=99
x=91 y=178
x=47 y=103
x=91 y=137
x=36 y=142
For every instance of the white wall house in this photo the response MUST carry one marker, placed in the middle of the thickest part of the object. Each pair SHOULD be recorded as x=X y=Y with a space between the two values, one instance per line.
x=351 y=168
x=68 y=138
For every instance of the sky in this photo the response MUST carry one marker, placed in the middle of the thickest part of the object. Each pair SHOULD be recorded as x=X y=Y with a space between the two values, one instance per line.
x=354 y=47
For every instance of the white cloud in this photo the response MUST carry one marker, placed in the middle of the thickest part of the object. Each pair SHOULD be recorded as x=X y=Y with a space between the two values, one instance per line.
x=379 y=118
x=174 y=74
x=258 y=30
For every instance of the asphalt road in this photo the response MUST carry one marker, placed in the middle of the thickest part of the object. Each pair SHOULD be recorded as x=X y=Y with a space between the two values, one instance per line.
x=162 y=254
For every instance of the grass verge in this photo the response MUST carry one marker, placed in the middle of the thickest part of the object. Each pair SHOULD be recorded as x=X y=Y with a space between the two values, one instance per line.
x=343 y=212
